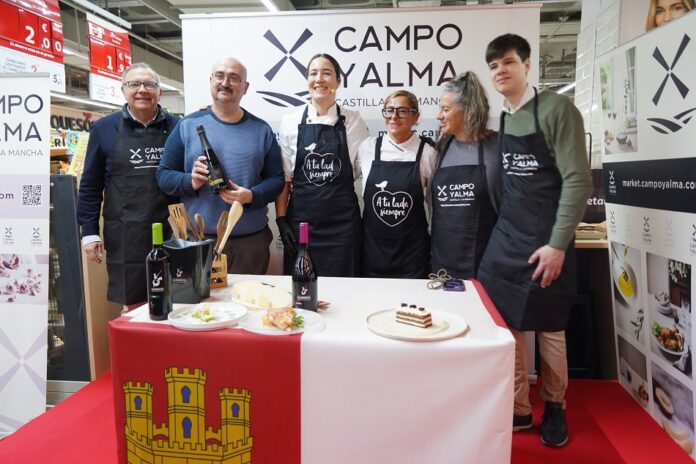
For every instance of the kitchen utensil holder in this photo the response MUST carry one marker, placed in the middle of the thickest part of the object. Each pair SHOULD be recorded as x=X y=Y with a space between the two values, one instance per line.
x=218 y=277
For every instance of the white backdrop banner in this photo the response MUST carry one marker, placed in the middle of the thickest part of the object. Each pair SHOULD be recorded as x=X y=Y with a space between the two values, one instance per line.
x=24 y=211
x=379 y=50
x=648 y=100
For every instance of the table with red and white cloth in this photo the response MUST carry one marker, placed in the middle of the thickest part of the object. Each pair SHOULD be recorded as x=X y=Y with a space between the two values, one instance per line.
x=338 y=395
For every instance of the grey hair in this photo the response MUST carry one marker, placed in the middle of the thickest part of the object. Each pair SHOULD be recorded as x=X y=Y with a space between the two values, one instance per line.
x=470 y=95
x=144 y=66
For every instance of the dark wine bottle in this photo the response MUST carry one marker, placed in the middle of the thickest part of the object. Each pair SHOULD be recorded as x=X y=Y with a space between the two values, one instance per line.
x=159 y=277
x=304 y=276
x=217 y=177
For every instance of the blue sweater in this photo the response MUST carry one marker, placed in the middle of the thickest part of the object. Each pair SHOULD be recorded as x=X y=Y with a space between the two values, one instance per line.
x=96 y=175
x=250 y=154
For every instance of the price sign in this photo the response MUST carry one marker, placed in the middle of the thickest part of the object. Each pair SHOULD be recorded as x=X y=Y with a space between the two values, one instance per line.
x=109 y=55
x=31 y=38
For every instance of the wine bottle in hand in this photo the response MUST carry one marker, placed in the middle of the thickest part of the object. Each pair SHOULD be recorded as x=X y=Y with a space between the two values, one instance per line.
x=217 y=177
x=304 y=276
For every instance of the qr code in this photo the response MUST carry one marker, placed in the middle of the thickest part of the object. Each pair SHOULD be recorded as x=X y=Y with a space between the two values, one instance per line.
x=31 y=195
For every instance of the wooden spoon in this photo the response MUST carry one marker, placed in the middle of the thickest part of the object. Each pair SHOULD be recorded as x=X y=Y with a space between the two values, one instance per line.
x=235 y=213
x=221 y=226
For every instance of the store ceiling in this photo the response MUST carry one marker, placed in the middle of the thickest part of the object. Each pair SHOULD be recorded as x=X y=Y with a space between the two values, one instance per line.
x=157 y=28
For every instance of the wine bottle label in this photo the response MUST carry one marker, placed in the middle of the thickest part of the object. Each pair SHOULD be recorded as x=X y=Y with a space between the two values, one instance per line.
x=156 y=282
x=212 y=182
x=304 y=294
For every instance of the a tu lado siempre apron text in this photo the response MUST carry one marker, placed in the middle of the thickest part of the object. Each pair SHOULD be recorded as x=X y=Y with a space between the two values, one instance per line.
x=324 y=196
x=132 y=202
x=463 y=216
x=531 y=191
x=395 y=232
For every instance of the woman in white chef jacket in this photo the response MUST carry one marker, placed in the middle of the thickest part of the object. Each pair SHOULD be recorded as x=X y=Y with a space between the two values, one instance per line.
x=319 y=144
x=396 y=169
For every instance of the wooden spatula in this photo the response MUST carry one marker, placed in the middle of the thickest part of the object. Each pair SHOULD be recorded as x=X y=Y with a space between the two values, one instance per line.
x=175 y=212
x=235 y=213
x=174 y=226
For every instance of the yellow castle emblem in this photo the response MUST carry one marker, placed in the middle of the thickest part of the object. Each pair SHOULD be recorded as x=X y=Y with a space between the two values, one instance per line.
x=185 y=439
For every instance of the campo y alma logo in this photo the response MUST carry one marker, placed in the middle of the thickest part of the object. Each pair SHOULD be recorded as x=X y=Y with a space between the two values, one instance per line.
x=677 y=122
x=277 y=98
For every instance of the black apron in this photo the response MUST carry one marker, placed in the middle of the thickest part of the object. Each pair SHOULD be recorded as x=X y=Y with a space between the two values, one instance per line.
x=531 y=191
x=323 y=195
x=132 y=202
x=463 y=216
x=395 y=230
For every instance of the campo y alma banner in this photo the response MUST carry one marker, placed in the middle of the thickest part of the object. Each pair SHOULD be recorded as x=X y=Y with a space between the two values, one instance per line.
x=648 y=97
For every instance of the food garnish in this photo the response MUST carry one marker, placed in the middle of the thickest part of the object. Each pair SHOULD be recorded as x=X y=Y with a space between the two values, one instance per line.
x=205 y=314
x=283 y=318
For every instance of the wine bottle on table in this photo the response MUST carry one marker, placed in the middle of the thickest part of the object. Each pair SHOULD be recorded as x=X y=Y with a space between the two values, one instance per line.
x=159 y=278
x=217 y=177
x=304 y=276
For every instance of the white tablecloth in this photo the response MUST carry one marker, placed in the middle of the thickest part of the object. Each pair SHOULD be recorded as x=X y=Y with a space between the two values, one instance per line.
x=369 y=399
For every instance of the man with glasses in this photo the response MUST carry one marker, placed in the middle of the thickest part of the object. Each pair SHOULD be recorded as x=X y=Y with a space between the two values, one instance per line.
x=247 y=148
x=123 y=153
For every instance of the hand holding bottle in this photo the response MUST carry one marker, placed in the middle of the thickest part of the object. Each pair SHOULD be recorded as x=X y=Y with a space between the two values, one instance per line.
x=199 y=173
x=236 y=192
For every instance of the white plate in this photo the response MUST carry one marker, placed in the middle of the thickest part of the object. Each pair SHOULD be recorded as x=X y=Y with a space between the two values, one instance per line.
x=226 y=315
x=669 y=352
x=445 y=325
x=312 y=321
x=632 y=278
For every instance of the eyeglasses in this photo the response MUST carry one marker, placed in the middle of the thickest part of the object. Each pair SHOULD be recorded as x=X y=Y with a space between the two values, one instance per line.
x=136 y=85
x=401 y=112
x=220 y=77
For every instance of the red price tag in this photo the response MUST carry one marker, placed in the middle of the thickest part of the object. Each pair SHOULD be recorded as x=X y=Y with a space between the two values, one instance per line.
x=29 y=28
x=44 y=35
x=9 y=26
x=102 y=56
x=57 y=35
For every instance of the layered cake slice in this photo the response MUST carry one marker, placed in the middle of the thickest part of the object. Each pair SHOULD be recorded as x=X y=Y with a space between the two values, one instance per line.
x=411 y=315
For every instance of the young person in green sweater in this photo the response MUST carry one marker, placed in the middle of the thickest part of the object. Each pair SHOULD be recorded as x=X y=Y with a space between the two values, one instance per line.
x=528 y=268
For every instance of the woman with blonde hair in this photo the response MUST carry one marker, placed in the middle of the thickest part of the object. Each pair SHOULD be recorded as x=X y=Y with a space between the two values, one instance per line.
x=664 y=11
x=396 y=168
x=466 y=184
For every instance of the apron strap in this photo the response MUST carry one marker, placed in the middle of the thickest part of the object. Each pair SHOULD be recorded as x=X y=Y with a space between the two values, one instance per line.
x=536 y=111
x=420 y=150
x=378 y=148
x=444 y=152
x=480 y=152
x=304 y=115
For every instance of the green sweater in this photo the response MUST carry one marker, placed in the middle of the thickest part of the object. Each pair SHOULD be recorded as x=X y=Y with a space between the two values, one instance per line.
x=563 y=130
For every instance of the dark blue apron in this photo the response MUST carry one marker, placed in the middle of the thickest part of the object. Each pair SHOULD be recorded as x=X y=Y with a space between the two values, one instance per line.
x=323 y=195
x=531 y=191
x=395 y=231
x=463 y=216
x=132 y=202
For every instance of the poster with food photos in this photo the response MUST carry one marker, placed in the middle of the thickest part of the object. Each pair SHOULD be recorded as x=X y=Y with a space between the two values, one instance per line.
x=647 y=90
x=24 y=245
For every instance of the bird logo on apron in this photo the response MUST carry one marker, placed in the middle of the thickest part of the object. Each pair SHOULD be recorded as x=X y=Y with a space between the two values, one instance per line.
x=391 y=208
x=320 y=169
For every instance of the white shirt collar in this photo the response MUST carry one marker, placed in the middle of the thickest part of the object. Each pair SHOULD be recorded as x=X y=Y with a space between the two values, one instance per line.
x=312 y=111
x=130 y=113
x=526 y=97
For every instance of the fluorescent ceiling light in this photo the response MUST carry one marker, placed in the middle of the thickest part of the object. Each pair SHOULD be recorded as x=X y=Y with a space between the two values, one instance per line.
x=85 y=101
x=71 y=52
x=169 y=87
x=270 y=6
x=566 y=88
